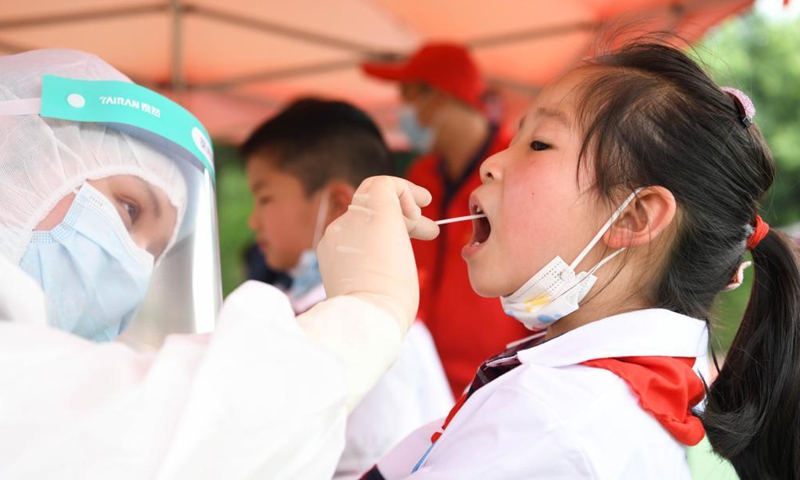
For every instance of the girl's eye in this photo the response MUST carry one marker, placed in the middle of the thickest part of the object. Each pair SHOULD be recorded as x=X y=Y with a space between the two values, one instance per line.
x=538 y=146
x=264 y=200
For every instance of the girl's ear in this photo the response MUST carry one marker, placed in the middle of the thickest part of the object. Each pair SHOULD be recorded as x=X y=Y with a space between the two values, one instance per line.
x=341 y=195
x=647 y=216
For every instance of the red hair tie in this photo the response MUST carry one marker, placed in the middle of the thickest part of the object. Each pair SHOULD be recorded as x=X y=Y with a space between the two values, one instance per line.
x=760 y=230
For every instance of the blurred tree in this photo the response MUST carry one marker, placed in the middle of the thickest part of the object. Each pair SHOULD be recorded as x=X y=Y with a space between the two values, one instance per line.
x=234 y=205
x=762 y=58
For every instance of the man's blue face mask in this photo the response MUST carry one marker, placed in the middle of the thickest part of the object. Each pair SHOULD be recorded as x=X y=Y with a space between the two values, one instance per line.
x=420 y=136
x=93 y=275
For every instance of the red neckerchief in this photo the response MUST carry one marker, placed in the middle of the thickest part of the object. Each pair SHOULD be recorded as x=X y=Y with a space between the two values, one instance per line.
x=667 y=389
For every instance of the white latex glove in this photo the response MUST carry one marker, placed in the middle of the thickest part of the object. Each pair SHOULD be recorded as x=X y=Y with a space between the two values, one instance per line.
x=371 y=280
x=367 y=251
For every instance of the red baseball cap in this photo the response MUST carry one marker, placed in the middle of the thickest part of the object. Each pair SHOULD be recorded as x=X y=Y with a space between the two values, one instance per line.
x=445 y=66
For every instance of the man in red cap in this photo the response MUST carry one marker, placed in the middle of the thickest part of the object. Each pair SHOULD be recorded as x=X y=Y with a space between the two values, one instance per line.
x=441 y=89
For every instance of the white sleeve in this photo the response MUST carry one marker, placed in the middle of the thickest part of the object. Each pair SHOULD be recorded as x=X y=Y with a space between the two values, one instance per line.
x=257 y=399
x=364 y=338
x=413 y=392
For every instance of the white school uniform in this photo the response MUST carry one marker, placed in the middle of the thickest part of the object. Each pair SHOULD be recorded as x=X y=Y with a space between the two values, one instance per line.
x=411 y=394
x=552 y=418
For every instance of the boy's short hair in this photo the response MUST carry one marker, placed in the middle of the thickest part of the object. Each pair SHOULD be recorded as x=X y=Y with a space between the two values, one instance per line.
x=321 y=140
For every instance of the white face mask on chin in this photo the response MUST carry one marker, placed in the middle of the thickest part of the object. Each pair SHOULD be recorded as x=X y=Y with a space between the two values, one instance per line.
x=556 y=290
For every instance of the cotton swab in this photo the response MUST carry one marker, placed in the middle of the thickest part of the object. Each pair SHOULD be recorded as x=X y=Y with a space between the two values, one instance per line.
x=459 y=219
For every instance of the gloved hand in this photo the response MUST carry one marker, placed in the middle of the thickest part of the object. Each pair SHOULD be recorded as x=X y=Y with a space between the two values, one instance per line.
x=370 y=279
x=367 y=251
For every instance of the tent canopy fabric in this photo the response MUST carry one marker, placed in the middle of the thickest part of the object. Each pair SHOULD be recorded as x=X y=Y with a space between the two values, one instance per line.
x=234 y=62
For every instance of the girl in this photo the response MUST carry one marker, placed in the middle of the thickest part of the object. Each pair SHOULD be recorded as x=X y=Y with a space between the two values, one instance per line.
x=637 y=151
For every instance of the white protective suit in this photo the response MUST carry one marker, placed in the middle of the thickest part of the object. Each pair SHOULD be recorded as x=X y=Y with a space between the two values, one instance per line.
x=414 y=392
x=265 y=396
x=255 y=399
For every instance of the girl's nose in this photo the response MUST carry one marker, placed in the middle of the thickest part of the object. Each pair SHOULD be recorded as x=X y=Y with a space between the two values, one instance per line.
x=491 y=169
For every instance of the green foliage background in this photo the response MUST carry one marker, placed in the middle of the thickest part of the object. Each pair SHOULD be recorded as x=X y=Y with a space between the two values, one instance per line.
x=759 y=56
x=234 y=204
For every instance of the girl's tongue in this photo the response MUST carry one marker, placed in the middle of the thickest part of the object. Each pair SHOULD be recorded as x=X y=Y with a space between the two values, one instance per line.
x=481 y=229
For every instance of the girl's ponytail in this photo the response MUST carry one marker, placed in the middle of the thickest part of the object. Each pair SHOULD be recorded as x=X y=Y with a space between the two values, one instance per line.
x=652 y=116
x=752 y=416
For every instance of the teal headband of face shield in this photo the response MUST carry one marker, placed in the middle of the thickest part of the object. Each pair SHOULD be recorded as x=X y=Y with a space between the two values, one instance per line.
x=127 y=107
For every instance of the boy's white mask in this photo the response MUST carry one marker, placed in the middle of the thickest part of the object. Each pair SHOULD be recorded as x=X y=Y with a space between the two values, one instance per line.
x=556 y=290
x=306 y=275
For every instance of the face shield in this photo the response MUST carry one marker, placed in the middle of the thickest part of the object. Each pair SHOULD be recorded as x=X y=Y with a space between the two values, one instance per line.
x=103 y=143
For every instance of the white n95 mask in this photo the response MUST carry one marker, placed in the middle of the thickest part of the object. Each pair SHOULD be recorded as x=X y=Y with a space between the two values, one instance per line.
x=556 y=290
x=93 y=275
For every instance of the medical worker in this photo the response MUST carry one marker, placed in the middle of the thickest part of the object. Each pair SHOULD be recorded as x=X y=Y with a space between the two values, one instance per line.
x=106 y=192
x=626 y=203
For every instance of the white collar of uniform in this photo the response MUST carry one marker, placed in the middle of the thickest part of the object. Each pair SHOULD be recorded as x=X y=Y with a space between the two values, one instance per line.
x=652 y=332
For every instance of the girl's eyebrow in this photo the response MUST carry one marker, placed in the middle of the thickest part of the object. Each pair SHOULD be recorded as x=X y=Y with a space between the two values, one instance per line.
x=557 y=115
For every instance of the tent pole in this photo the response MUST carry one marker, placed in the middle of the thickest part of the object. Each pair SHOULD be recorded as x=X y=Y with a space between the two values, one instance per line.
x=12 y=47
x=280 y=74
x=59 y=18
x=277 y=29
x=176 y=12
x=527 y=35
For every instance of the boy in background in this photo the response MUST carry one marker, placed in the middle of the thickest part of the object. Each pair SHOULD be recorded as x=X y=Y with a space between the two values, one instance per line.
x=303 y=166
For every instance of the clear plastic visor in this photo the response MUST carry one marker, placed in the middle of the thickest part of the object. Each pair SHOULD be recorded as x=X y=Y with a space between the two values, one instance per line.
x=164 y=148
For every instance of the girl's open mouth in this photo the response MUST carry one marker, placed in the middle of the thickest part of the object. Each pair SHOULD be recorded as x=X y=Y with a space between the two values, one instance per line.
x=481 y=228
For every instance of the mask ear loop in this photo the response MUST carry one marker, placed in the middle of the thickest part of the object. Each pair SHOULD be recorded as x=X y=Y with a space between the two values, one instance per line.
x=614 y=217
x=590 y=272
x=322 y=214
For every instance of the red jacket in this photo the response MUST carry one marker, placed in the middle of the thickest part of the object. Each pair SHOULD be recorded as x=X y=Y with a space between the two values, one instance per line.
x=466 y=328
